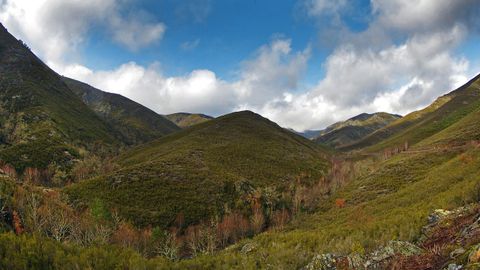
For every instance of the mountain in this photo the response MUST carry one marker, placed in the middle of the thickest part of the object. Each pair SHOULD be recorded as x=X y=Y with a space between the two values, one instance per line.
x=401 y=206
x=42 y=121
x=134 y=122
x=184 y=120
x=309 y=134
x=446 y=111
x=354 y=129
x=203 y=171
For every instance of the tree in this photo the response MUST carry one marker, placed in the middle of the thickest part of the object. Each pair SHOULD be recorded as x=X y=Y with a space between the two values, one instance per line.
x=28 y=203
x=58 y=223
x=99 y=211
x=257 y=219
x=166 y=244
x=125 y=235
x=9 y=170
x=280 y=218
x=32 y=176
x=17 y=223
x=202 y=239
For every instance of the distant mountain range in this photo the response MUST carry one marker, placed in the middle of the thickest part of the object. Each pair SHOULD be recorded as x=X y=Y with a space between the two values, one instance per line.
x=354 y=129
x=346 y=132
x=185 y=120
x=440 y=120
x=377 y=191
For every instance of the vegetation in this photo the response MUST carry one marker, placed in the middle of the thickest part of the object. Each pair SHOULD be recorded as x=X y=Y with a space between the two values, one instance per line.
x=134 y=122
x=185 y=120
x=236 y=192
x=417 y=126
x=354 y=129
x=42 y=122
x=206 y=171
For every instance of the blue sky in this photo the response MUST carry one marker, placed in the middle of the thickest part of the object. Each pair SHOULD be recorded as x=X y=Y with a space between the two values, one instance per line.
x=302 y=63
x=229 y=32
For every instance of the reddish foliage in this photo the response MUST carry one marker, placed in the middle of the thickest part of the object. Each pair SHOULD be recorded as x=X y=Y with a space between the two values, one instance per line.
x=9 y=170
x=17 y=223
x=126 y=235
x=340 y=203
x=232 y=228
x=280 y=218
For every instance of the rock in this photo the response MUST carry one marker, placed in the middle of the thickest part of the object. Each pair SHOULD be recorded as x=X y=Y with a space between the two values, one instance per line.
x=457 y=252
x=453 y=266
x=355 y=261
x=379 y=256
x=438 y=215
x=322 y=262
x=247 y=248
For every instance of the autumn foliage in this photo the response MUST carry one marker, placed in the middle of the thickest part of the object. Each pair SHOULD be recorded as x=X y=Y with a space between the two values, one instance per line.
x=17 y=223
x=340 y=203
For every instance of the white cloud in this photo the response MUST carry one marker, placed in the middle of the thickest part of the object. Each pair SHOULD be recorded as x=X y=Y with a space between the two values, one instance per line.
x=135 y=34
x=424 y=15
x=273 y=69
x=55 y=28
x=403 y=60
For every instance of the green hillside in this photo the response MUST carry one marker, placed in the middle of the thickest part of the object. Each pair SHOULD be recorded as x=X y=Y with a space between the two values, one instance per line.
x=417 y=126
x=134 y=122
x=204 y=170
x=354 y=129
x=42 y=121
x=392 y=203
x=184 y=120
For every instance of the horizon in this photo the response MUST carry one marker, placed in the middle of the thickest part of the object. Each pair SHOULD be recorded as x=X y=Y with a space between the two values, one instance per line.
x=303 y=64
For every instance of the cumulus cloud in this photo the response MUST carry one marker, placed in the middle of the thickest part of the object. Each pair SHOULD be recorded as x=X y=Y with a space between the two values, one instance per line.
x=135 y=34
x=402 y=61
x=272 y=69
x=55 y=28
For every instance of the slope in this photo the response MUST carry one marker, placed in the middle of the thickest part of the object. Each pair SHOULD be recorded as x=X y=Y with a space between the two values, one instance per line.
x=42 y=121
x=204 y=170
x=392 y=203
x=419 y=125
x=184 y=120
x=354 y=129
x=134 y=122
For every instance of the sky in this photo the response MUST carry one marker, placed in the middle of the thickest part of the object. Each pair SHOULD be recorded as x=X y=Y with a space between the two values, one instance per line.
x=304 y=64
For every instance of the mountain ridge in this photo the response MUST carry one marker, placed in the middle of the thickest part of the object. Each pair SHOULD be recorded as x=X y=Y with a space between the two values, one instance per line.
x=184 y=120
x=217 y=158
x=132 y=120
x=354 y=129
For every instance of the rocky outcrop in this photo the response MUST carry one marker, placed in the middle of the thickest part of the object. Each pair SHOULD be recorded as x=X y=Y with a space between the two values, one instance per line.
x=450 y=240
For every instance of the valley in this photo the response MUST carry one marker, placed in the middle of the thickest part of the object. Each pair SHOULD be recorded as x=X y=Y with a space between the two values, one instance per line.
x=94 y=180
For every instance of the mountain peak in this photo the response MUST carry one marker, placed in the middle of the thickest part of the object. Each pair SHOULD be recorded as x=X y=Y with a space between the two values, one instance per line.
x=355 y=128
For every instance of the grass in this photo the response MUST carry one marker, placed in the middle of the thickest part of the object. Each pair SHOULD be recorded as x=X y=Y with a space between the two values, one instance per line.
x=392 y=203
